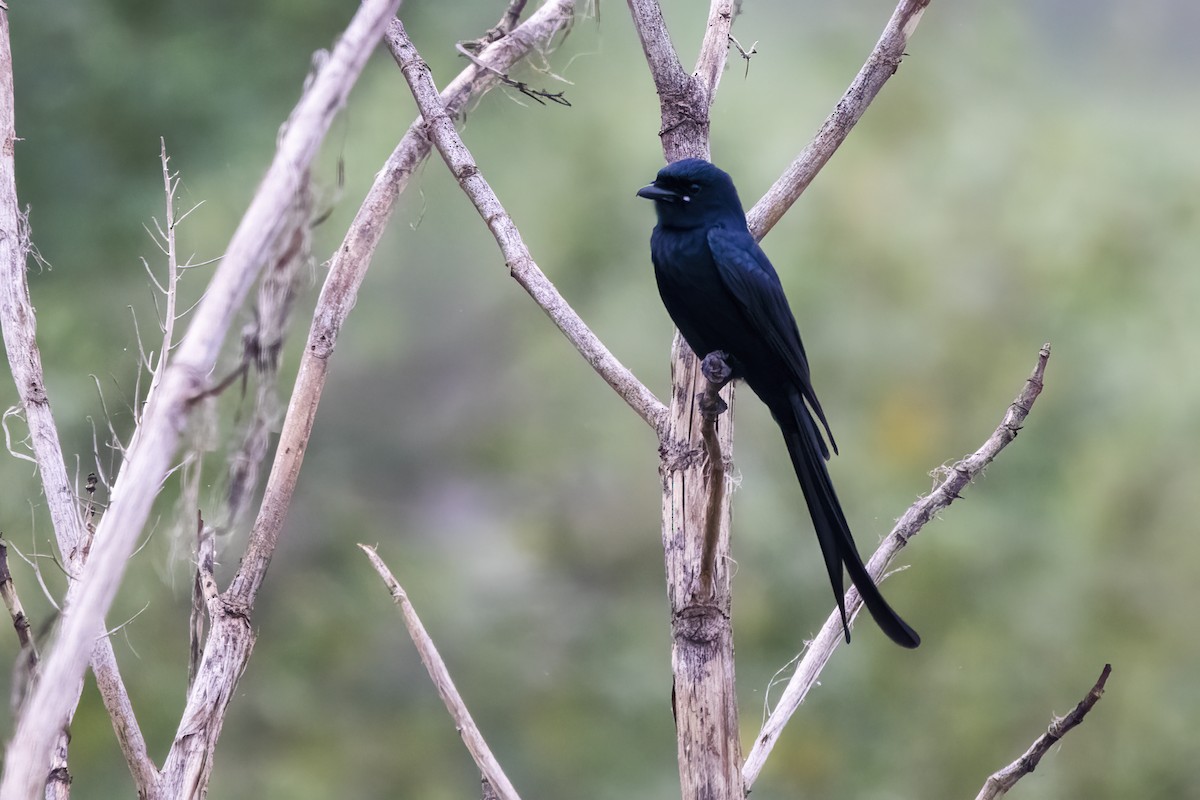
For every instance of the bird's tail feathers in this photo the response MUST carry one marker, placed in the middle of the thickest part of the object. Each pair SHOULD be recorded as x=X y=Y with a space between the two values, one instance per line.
x=837 y=545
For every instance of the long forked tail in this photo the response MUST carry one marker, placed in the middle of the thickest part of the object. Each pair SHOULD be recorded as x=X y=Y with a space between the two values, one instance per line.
x=837 y=545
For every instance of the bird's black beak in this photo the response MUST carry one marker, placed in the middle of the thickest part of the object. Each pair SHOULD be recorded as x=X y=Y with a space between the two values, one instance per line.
x=656 y=192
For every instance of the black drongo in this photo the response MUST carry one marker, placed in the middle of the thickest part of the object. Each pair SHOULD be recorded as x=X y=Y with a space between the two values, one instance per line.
x=724 y=296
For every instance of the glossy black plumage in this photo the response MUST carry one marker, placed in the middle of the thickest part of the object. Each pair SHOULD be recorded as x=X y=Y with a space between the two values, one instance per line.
x=724 y=295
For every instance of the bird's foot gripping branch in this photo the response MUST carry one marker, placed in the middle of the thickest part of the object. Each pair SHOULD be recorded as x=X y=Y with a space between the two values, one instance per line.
x=715 y=368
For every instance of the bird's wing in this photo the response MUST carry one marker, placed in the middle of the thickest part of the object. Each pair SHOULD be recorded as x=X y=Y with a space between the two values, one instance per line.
x=754 y=284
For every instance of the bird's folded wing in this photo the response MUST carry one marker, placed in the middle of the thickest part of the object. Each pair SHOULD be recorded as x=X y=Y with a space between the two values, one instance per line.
x=753 y=282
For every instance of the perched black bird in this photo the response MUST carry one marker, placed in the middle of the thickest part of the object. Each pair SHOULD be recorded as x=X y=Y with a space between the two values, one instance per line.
x=724 y=295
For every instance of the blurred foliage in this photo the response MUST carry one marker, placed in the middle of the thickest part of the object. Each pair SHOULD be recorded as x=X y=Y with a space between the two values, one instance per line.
x=1029 y=175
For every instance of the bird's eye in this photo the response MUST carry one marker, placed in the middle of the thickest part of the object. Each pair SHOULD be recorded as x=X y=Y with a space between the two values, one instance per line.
x=695 y=187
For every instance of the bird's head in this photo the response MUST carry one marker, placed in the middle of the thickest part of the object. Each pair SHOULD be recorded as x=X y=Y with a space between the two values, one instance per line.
x=693 y=193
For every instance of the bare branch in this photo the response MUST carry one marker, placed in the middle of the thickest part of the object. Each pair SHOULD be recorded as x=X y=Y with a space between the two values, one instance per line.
x=708 y=749
x=1001 y=781
x=27 y=664
x=954 y=480
x=230 y=640
x=155 y=441
x=713 y=50
x=665 y=66
x=880 y=65
x=20 y=327
x=120 y=711
x=171 y=290
x=520 y=263
x=694 y=450
x=512 y=15
x=743 y=52
x=204 y=592
x=14 y=411
x=436 y=667
x=683 y=99
x=20 y=341
x=32 y=561
x=348 y=268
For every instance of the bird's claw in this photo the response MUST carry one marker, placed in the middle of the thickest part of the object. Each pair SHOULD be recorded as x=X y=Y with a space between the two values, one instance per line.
x=715 y=368
x=710 y=404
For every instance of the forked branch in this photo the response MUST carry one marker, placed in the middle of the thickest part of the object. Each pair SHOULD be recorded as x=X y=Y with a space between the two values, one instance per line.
x=521 y=265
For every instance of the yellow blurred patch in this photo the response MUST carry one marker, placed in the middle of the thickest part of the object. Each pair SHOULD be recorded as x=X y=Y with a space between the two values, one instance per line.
x=904 y=425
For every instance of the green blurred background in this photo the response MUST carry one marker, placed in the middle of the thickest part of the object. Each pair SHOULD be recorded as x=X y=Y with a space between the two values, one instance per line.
x=1029 y=175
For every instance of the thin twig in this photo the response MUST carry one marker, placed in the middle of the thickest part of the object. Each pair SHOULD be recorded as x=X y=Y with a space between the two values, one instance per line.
x=1002 y=780
x=955 y=479
x=512 y=15
x=204 y=591
x=14 y=411
x=27 y=664
x=440 y=676
x=32 y=562
x=171 y=290
x=520 y=263
x=880 y=65
x=538 y=95
x=743 y=52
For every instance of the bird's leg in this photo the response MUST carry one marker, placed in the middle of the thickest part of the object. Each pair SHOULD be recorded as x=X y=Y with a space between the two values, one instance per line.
x=717 y=372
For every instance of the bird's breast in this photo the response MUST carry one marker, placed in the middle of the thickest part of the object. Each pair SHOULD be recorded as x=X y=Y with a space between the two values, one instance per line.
x=694 y=294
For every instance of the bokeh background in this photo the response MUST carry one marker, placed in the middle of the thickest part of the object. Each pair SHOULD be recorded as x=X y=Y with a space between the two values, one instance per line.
x=1030 y=175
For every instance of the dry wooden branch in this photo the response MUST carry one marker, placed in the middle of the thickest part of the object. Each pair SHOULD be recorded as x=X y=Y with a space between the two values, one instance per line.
x=520 y=263
x=171 y=288
x=156 y=438
x=710 y=64
x=696 y=502
x=28 y=661
x=954 y=479
x=881 y=64
x=708 y=748
x=230 y=640
x=684 y=100
x=440 y=675
x=1002 y=780
x=20 y=341
x=347 y=270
